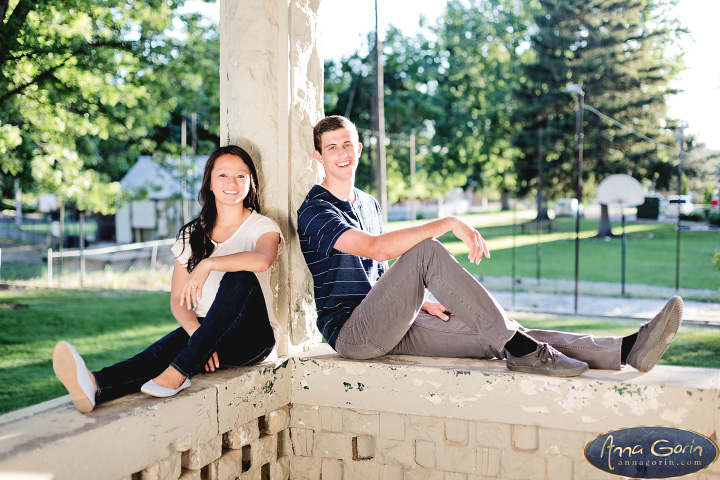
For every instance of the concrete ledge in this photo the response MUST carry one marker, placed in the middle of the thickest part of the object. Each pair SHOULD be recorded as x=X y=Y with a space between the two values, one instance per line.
x=486 y=390
x=321 y=416
x=420 y=417
x=125 y=436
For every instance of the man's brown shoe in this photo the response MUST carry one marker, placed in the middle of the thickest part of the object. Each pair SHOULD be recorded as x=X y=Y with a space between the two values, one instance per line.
x=655 y=336
x=545 y=360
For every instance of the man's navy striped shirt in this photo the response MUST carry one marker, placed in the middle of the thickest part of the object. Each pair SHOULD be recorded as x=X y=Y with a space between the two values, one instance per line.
x=341 y=280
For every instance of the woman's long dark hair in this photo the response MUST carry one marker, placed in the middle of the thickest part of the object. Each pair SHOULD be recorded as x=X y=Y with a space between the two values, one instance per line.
x=200 y=229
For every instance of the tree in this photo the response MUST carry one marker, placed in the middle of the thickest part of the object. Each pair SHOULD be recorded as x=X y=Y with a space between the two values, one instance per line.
x=480 y=45
x=83 y=84
x=349 y=91
x=618 y=52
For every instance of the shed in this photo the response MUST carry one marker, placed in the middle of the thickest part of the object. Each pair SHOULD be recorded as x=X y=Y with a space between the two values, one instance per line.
x=160 y=203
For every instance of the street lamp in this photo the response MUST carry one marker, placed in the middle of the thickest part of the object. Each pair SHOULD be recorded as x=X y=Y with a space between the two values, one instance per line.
x=680 y=137
x=577 y=89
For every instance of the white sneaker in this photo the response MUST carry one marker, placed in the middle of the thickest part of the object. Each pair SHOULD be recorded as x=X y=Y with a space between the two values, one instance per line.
x=152 y=388
x=70 y=369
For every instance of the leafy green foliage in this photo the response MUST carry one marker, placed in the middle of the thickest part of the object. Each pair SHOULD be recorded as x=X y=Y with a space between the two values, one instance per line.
x=105 y=326
x=480 y=84
x=84 y=90
x=619 y=53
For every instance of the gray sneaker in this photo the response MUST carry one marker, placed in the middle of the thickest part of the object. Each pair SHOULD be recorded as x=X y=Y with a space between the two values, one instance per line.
x=655 y=336
x=546 y=360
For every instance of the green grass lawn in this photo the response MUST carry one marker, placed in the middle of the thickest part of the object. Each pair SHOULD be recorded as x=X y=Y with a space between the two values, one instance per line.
x=650 y=253
x=105 y=326
x=109 y=326
x=694 y=346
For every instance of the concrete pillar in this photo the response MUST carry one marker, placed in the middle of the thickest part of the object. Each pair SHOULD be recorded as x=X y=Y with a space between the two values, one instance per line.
x=271 y=95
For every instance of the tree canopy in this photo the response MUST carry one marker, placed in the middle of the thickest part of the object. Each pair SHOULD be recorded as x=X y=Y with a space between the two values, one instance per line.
x=84 y=89
x=482 y=81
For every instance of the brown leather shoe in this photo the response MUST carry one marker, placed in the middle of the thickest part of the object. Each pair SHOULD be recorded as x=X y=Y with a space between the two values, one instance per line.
x=545 y=360
x=655 y=336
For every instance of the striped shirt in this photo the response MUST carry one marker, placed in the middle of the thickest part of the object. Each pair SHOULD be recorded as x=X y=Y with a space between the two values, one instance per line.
x=341 y=280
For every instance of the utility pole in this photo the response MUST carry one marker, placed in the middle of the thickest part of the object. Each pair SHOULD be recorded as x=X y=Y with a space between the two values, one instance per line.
x=576 y=89
x=382 y=167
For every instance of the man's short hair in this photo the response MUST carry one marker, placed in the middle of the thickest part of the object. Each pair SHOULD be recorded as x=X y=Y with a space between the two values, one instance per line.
x=329 y=124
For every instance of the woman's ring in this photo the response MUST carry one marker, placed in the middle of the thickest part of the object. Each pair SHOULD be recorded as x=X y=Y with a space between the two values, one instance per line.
x=193 y=286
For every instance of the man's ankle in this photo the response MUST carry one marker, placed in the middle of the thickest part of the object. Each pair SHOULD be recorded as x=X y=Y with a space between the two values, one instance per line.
x=520 y=345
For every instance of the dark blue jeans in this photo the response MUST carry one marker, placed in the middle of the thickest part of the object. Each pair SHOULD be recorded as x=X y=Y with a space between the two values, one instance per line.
x=236 y=327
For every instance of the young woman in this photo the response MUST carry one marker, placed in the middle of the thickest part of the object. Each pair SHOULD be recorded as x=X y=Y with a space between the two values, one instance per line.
x=220 y=295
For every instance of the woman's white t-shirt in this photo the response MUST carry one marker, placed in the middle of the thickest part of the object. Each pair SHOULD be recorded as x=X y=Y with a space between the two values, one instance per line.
x=243 y=240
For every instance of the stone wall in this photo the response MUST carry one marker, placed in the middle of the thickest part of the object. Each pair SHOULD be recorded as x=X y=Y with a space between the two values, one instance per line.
x=403 y=417
x=396 y=418
x=230 y=424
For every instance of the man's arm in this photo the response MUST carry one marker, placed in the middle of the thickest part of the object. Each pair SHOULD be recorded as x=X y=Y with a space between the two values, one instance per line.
x=393 y=244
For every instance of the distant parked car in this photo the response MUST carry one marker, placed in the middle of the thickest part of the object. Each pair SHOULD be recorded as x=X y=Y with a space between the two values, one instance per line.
x=568 y=207
x=682 y=203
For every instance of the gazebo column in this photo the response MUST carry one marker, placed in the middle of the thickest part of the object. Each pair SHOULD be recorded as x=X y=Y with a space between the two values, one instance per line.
x=271 y=95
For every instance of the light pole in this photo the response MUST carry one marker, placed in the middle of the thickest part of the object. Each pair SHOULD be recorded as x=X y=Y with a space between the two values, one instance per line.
x=680 y=137
x=577 y=89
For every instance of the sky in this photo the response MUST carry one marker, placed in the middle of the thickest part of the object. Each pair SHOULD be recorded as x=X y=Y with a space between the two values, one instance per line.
x=344 y=27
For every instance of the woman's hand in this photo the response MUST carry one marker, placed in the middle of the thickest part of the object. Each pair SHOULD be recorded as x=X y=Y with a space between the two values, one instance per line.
x=213 y=363
x=435 y=308
x=191 y=292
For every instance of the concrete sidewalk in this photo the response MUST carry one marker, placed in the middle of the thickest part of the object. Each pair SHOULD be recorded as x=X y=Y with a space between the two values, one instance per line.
x=641 y=308
x=602 y=299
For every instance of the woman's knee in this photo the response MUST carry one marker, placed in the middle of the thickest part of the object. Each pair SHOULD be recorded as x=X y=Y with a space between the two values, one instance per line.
x=246 y=280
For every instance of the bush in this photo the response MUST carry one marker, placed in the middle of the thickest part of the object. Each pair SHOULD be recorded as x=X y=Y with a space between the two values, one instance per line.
x=696 y=216
x=714 y=219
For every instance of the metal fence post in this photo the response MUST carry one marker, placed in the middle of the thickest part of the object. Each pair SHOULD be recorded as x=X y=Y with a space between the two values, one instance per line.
x=153 y=257
x=50 y=272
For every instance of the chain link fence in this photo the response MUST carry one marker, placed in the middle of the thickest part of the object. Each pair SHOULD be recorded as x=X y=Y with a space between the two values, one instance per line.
x=137 y=265
x=30 y=230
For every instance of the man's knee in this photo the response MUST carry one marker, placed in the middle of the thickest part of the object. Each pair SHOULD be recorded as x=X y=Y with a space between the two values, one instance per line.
x=428 y=245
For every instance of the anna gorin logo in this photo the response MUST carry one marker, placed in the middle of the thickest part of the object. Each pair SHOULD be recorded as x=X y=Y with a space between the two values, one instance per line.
x=651 y=452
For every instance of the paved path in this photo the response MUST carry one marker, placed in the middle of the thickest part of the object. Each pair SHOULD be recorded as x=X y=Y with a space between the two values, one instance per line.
x=642 y=301
x=644 y=308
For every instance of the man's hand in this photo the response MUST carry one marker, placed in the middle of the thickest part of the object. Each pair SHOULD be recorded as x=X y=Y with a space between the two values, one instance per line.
x=472 y=239
x=434 y=308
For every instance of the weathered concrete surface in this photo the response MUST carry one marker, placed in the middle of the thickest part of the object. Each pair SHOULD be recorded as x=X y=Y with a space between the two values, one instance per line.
x=271 y=92
x=597 y=401
x=242 y=398
x=393 y=417
x=130 y=434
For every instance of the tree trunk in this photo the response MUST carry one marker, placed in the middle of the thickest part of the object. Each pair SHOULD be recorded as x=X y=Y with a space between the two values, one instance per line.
x=504 y=199
x=542 y=213
x=605 y=229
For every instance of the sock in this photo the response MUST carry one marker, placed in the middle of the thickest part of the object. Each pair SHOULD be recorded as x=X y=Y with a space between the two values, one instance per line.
x=520 y=345
x=627 y=344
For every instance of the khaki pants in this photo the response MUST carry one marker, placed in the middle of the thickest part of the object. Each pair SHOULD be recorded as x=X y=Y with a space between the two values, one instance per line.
x=389 y=320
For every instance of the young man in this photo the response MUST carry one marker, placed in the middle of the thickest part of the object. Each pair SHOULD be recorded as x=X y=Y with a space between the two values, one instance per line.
x=365 y=311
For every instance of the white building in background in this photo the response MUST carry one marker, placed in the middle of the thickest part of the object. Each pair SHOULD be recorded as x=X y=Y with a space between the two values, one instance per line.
x=161 y=203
